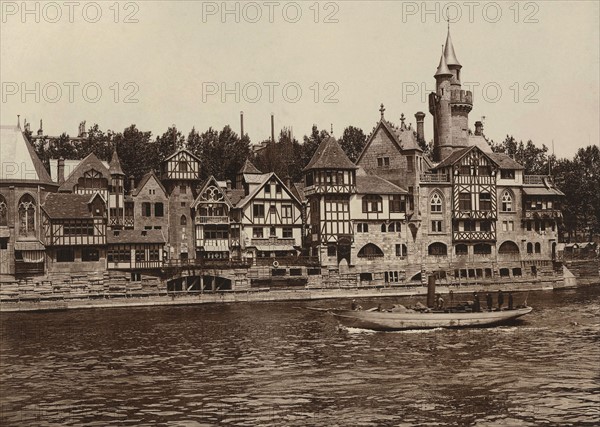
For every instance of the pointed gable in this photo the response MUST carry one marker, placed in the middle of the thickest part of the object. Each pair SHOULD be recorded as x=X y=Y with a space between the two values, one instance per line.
x=330 y=155
x=145 y=179
x=210 y=191
x=249 y=168
x=88 y=163
x=19 y=160
x=115 y=164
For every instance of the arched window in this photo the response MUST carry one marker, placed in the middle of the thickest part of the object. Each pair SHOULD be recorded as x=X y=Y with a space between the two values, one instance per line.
x=370 y=251
x=538 y=248
x=436 y=203
x=395 y=226
x=508 y=247
x=529 y=248
x=482 y=249
x=372 y=203
x=437 y=248
x=461 y=249
x=183 y=220
x=507 y=201
x=27 y=216
x=383 y=228
x=3 y=211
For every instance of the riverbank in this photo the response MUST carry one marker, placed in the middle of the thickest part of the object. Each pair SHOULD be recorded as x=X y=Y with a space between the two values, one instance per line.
x=267 y=295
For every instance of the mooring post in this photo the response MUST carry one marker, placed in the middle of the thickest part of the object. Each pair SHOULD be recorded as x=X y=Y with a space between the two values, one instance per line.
x=431 y=291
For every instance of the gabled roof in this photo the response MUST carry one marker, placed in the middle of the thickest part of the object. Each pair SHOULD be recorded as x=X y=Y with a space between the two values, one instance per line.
x=298 y=190
x=236 y=195
x=504 y=161
x=264 y=179
x=89 y=162
x=115 y=165
x=404 y=139
x=453 y=157
x=501 y=160
x=211 y=180
x=480 y=142
x=68 y=205
x=372 y=184
x=145 y=180
x=135 y=236
x=249 y=168
x=330 y=155
x=19 y=161
x=182 y=151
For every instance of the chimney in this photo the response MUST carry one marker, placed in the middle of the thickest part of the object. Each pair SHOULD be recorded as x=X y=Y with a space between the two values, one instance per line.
x=288 y=182
x=40 y=131
x=272 y=127
x=478 y=128
x=61 y=170
x=131 y=184
x=420 y=116
x=19 y=121
x=241 y=124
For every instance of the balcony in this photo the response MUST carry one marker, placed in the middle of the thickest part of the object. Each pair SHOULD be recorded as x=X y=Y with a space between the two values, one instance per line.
x=436 y=178
x=272 y=241
x=212 y=220
x=542 y=214
x=474 y=236
x=535 y=179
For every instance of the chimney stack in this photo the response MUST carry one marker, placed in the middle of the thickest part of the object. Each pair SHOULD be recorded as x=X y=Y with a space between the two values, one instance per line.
x=420 y=116
x=272 y=127
x=241 y=124
x=40 y=131
x=19 y=121
x=61 y=170
x=131 y=184
x=478 y=128
x=288 y=182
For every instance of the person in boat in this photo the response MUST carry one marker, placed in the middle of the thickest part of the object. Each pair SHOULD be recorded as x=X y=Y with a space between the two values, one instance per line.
x=476 y=303
x=500 y=299
x=510 y=301
x=489 y=301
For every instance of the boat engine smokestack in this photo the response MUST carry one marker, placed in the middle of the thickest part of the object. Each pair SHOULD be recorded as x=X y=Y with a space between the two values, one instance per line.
x=431 y=291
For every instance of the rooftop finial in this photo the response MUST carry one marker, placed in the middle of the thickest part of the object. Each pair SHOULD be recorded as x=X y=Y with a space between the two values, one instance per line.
x=331 y=129
x=402 y=125
x=19 y=121
x=382 y=110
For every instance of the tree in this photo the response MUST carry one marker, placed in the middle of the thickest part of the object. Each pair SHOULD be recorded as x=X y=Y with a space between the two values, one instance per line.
x=353 y=142
x=311 y=143
x=283 y=157
x=169 y=142
x=532 y=158
x=137 y=153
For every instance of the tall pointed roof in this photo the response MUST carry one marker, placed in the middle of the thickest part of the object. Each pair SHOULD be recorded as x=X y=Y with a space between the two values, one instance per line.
x=442 y=69
x=449 y=53
x=249 y=168
x=18 y=159
x=89 y=162
x=330 y=155
x=115 y=165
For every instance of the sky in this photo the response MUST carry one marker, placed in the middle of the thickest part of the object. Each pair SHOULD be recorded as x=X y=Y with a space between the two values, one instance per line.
x=533 y=67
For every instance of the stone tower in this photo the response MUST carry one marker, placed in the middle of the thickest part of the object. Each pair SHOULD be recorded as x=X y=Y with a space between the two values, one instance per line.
x=449 y=105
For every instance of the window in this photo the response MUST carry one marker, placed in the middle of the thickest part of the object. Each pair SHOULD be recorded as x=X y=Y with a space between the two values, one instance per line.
x=380 y=161
x=286 y=212
x=397 y=204
x=146 y=209
x=528 y=225
x=258 y=210
x=383 y=162
x=159 y=209
x=395 y=227
x=183 y=166
x=508 y=247
x=268 y=188
x=273 y=232
x=136 y=276
x=140 y=255
x=410 y=164
x=468 y=225
x=485 y=202
x=278 y=188
x=257 y=232
x=183 y=220
x=436 y=226
x=272 y=210
x=331 y=250
x=383 y=228
x=183 y=204
x=288 y=232
x=27 y=216
x=464 y=201
x=362 y=227
x=485 y=226
x=529 y=248
x=436 y=203
x=538 y=248
x=370 y=251
x=401 y=249
x=507 y=202
x=182 y=189
x=438 y=249
x=65 y=255
x=3 y=211
x=461 y=249
x=4 y=243
x=507 y=174
x=482 y=249
x=90 y=254
x=372 y=203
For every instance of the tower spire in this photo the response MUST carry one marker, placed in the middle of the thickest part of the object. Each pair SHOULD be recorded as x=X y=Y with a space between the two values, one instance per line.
x=449 y=53
x=442 y=69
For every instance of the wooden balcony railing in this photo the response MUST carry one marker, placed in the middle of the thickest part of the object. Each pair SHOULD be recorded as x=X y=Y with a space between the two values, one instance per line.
x=435 y=178
x=535 y=179
x=212 y=220
x=268 y=241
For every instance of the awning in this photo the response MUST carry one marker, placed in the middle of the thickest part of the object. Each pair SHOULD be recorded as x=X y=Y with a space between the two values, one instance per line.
x=29 y=245
x=542 y=191
x=33 y=256
x=274 y=248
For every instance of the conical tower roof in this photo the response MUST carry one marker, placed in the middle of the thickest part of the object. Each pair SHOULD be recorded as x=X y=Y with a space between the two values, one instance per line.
x=449 y=53
x=249 y=168
x=115 y=165
x=442 y=69
x=330 y=155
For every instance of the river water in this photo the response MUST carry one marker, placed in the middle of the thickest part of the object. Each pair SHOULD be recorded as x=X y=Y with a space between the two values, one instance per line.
x=277 y=364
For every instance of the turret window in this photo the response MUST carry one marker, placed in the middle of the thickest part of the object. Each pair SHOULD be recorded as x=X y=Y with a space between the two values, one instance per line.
x=507 y=202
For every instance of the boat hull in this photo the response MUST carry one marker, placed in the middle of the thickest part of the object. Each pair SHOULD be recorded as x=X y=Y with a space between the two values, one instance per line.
x=390 y=321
